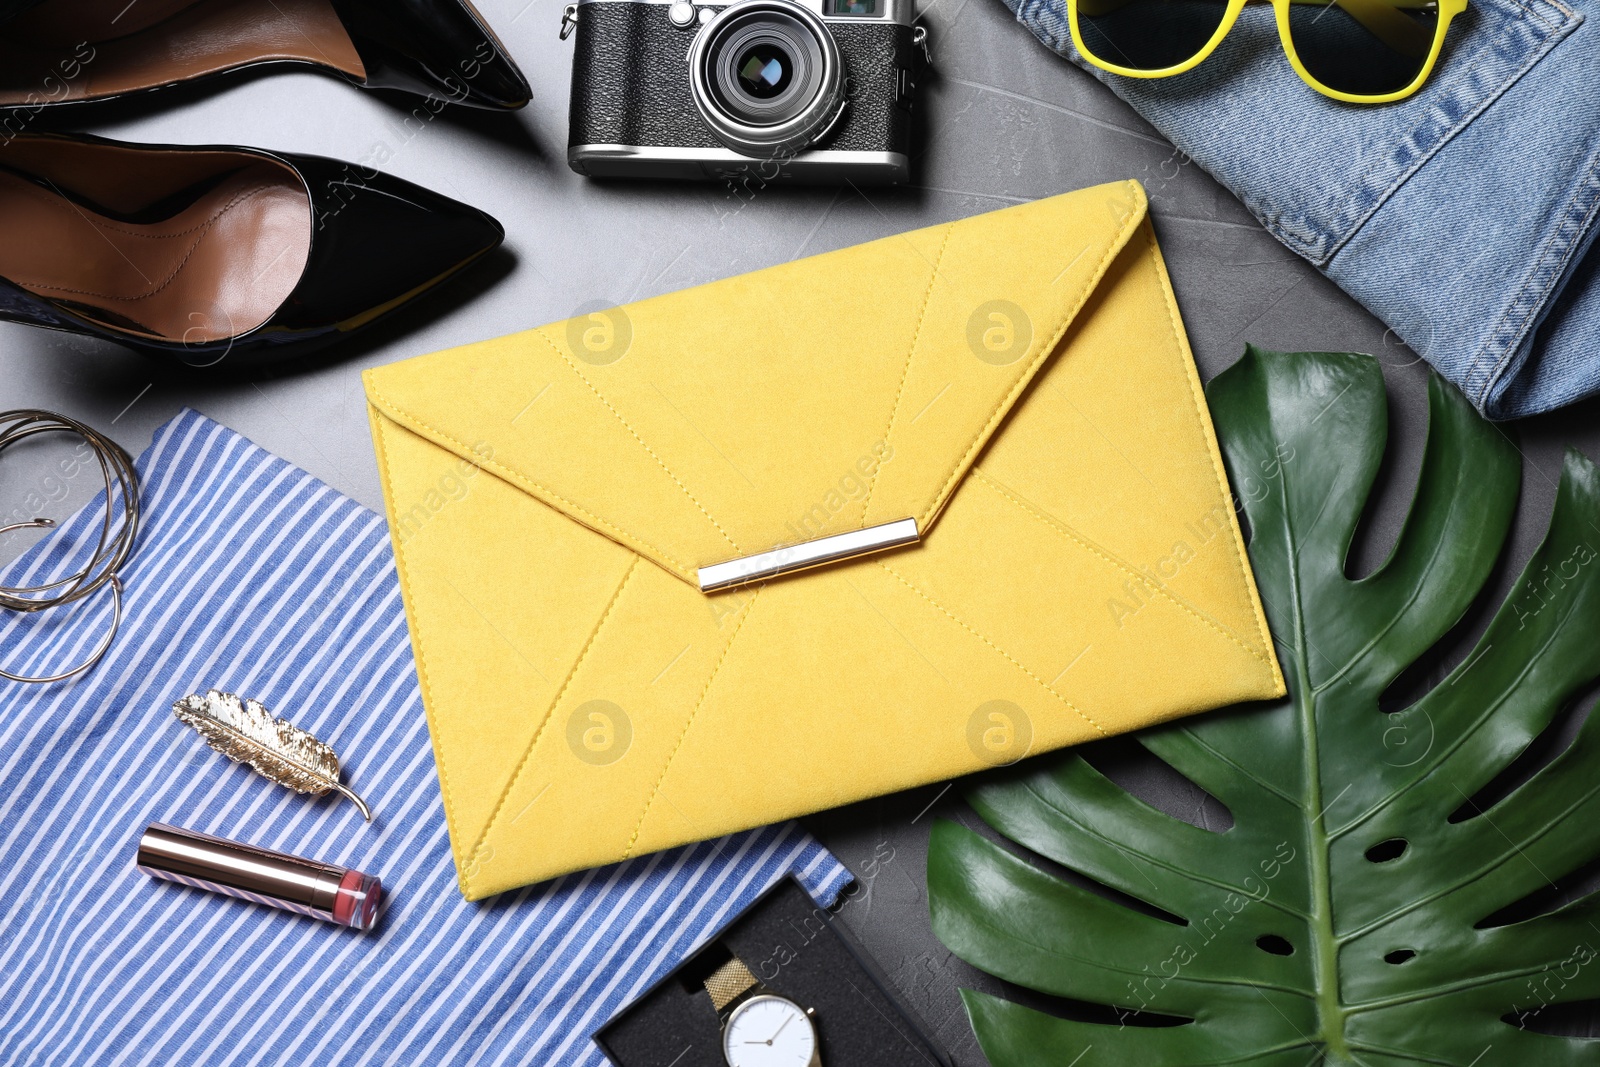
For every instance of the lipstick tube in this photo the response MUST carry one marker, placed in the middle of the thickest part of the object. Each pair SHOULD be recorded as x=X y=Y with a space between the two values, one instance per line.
x=289 y=883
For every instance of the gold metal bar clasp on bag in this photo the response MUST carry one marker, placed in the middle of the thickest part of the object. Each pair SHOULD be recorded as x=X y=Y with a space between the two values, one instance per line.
x=808 y=554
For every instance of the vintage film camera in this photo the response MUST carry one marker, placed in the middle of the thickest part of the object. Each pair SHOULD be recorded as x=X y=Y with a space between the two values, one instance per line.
x=808 y=90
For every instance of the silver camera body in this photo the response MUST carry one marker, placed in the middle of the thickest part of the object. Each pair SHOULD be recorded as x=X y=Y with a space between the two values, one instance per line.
x=803 y=90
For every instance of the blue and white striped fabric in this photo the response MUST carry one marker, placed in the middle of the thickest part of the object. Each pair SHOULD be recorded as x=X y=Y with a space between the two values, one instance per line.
x=252 y=576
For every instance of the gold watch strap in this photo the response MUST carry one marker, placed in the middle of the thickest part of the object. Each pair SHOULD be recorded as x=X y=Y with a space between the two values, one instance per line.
x=727 y=982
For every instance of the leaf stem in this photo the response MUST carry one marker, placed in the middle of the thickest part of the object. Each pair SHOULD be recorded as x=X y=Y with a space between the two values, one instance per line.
x=1324 y=948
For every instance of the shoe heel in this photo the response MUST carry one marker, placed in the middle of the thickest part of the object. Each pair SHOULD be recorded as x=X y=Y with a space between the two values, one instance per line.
x=437 y=48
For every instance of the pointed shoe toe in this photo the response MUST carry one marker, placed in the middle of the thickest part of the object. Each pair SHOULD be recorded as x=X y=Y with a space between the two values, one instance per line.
x=377 y=242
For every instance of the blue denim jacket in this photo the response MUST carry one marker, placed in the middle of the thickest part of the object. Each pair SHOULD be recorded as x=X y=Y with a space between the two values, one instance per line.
x=1460 y=217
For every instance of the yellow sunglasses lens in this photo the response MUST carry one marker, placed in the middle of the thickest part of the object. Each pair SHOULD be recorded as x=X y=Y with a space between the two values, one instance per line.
x=1147 y=34
x=1363 y=47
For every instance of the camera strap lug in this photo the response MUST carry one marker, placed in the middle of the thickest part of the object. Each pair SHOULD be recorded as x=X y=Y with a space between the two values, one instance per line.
x=569 y=20
x=915 y=72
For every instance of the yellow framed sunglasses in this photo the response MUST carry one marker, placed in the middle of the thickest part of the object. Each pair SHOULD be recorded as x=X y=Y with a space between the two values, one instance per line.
x=1358 y=51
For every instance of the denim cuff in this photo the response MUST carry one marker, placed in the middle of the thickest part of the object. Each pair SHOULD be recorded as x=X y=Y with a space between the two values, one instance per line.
x=1461 y=217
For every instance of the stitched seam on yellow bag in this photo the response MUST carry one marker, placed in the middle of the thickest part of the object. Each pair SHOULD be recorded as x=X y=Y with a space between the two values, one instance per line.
x=1022 y=381
x=583 y=653
x=1002 y=652
x=749 y=609
x=659 y=462
x=1144 y=579
x=516 y=477
x=425 y=688
x=1217 y=470
x=905 y=372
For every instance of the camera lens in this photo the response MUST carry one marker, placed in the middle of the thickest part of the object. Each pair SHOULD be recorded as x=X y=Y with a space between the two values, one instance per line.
x=764 y=70
x=765 y=75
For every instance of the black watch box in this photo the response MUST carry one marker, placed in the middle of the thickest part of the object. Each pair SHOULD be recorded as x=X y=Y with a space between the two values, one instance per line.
x=796 y=949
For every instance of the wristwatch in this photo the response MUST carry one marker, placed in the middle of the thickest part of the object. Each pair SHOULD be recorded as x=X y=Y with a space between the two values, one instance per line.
x=759 y=1027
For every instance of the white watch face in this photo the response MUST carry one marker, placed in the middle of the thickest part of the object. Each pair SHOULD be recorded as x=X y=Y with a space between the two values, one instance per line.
x=768 y=1031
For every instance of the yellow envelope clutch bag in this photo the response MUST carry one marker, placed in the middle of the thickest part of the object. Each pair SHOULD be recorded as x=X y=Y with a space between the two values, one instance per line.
x=853 y=524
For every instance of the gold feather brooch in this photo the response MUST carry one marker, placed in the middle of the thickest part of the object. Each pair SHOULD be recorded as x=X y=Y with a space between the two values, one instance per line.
x=246 y=732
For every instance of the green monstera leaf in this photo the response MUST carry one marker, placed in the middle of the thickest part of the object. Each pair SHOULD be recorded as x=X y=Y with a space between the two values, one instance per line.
x=1353 y=912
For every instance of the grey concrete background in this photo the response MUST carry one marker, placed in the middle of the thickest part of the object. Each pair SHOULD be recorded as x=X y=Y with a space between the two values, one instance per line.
x=1007 y=122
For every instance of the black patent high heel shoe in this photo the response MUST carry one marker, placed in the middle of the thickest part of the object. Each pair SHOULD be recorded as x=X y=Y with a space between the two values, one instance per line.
x=213 y=254
x=55 y=52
